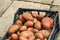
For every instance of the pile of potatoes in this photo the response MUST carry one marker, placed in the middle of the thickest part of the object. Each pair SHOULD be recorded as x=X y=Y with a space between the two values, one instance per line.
x=31 y=26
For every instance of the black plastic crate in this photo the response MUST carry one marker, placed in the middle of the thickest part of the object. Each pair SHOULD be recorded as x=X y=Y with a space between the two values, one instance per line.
x=52 y=14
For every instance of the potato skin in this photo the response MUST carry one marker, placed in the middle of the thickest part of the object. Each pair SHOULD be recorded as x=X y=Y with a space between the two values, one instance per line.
x=13 y=29
x=30 y=29
x=40 y=17
x=51 y=22
x=26 y=33
x=18 y=22
x=21 y=18
x=29 y=24
x=35 y=30
x=37 y=25
x=34 y=20
x=27 y=16
x=14 y=37
x=47 y=22
x=31 y=37
x=18 y=33
x=22 y=38
x=37 y=39
x=46 y=33
x=23 y=28
x=34 y=14
x=39 y=35
x=45 y=39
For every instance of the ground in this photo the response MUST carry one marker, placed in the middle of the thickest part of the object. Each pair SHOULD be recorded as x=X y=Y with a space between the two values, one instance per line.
x=7 y=10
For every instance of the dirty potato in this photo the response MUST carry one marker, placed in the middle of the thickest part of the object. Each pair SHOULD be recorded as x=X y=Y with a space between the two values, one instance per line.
x=23 y=28
x=45 y=39
x=34 y=14
x=30 y=29
x=31 y=37
x=29 y=24
x=18 y=22
x=22 y=38
x=13 y=29
x=39 y=35
x=18 y=33
x=47 y=22
x=34 y=20
x=38 y=25
x=26 y=33
x=41 y=15
x=14 y=37
x=21 y=18
x=34 y=30
x=46 y=33
x=51 y=22
x=27 y=16
x=37 y=39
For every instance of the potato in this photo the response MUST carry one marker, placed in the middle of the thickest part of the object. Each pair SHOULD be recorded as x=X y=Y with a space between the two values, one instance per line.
x=13 y=29
x=51 y=22
x=47 y=22
x=29 y=24
x=22 y=38
x=18 y=33
x=46 y=18
x=34 y=30
x=18 y=22
x=46 y=33
x=34 y=20
x=41 y=15
x=26 y=33
x=30 y=29
x=45 y=39
x=14 y=37
x=37 y=25
x=23 y=28
x=34 y=14
x=21 y=18
x=37 y=39
x=39 y=35
x=27 y=16
x=32 y=38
